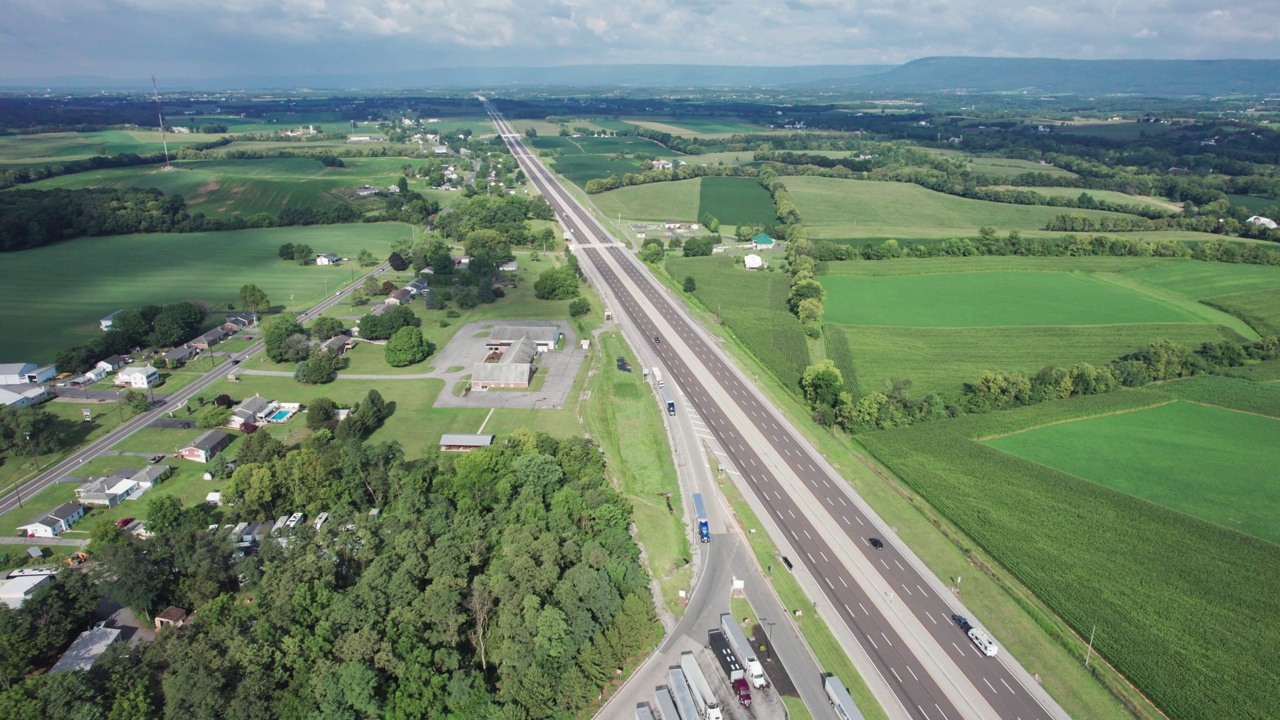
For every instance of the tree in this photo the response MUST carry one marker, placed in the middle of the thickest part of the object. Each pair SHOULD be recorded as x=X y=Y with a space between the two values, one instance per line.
x=556 y=284
x=407 y=347
x=213 y=416
x=803 y=290
x=295 y=348
x=259 y=448
x=286 y=251
x=219 y=467
x=318 y=370
x=136 y=401
x=326 y=328
x=275 y=331
x=253 y=299
x=579 y=307
x=371 y=286
x=303 y=253
x=810 y=311
x=397 y=262
x=320 y=413
x=690 y=285
x=366 y=259
x=403 y=184
x=653 y=253
x=698 y=246
x=822 y=384
x=531 y=133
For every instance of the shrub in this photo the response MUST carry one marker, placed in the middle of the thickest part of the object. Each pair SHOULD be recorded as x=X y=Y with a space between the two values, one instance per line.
x=579 y=307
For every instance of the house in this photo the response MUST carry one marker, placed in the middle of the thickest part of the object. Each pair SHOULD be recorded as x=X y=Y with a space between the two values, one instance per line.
x=149 y=476
x=15 y=373
x=753 y=262
x=17 y=589
x=393 y=189
x=211 y=338
x=544 y=337
x=106 y=322
x=140 y=377
x=1265 y=222
x=42 y=374
x=86 y=649
x=25 y=397
x=251 y=410
x=111 y=364
x=366 y=190
x=662 y=165
x=171 y=616
x=339 y=344
x=672 y=225
x=56 y=522
x=179 y=354
x=762 y=242
x=214 y=499
x=513 y=369
x=416 y=286
x=104 y=492
x=326 y=259
x=239 y=321
x=509 y=266
x=400 y=297
x=457 y=442
x=203 y=448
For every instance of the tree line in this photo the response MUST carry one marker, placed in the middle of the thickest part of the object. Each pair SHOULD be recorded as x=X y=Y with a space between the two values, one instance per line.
x=158 y=325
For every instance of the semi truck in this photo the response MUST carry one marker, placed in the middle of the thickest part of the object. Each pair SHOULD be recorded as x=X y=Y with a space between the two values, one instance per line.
x=666 y=708
x=704 y=528
x=840 y=699
x=668 y=400
x=678 y=688
x=742 y=649
x=699 y=688
x=657 y=378
x=643 y=712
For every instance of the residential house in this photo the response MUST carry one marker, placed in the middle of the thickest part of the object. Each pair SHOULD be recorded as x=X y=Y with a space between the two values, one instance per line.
x=180 y=354
x=86 y=649
x=203 y=448
x=458 y=442
x=339 y=344
x=400 y=297
x=416 y=286
x=753 y=262
x=366 y=190
x=111 y=364
x=25 y=397
x=104 y=492
x=56 y=522
x=171 y=616
x=251 y=410
x=509 y=266
x=544 y=337
x=326 y=259
x=15 y=373
x=106 y=322
x=211 y=338
x=239 y=321
x=513 y=369
x=17 y=589
x=762 y=242
x=139 y=376
x=393 y=189
x=662 y=165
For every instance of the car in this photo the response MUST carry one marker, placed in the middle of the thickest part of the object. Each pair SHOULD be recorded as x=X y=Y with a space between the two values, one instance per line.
x=236 y=361
x=156 y=458
x=184 y=425
x=122 y=522
x=876 y=543
x=963 y=622
x=743 y=690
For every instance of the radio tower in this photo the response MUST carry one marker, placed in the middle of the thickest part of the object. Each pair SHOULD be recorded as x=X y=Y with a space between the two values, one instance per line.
x=160 y=115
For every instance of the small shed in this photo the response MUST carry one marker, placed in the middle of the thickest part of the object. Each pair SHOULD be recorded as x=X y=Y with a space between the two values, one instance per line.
x=171 y=617
x=753 y=262
x=457 y=442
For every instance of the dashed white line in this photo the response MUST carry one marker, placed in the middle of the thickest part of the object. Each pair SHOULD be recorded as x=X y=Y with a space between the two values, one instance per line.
x=913 y=674
x=1002 y=682
x=904 y=587
x=886 y=639
x=873 y=642
x=855 y=517
x=842 y=582
x=944 y=715
x=864 y=609
x=895 y=562
x=833 y=587
x=885 y=564
x=841 y=499
x=993 y=687
x=824 y=556
x=935 y=622
x=811 y=558
x=895 y=674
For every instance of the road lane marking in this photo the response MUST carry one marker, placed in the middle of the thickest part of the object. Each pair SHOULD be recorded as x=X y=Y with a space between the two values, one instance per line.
x=824 y=556
x=873 y=643
x=904 y=587
x=842 y=582
x=864 y=609
x=1007 y=685
x=811 y=558
x=841 y=498
x=926 y=612
x=885 y=564
x=944 y=715
x=922 y=592
x=895 y=674
x=913 y=674
x=895 y=562
x=886 y=639
x=833 y=587
x=993 y=687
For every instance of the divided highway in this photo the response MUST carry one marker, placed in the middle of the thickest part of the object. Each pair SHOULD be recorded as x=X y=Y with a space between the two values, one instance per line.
x=896 y=610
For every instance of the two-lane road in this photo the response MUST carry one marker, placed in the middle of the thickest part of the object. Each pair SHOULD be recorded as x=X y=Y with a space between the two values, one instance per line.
x=896 y=610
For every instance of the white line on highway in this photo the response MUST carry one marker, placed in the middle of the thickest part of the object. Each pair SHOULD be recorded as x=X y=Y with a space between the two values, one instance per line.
x=842 y=582
x=885 y=564
x=864 y=609
x=1007 y=685
x=833 y=587
x=895 y=562
x=957 y=647
x=904 y=587
x=873 y=643
x=922 y=712
x=913 y=673
x=793 y=515
x=926 y=612
x=855 y=517
x=886 y=639
x=993 y=687
x=824 y=556
x=806 y=533
x=944 y=715
x=811 y=558
x=895 y=674
x=846 y=607
x=841 y=499
x=922 y=592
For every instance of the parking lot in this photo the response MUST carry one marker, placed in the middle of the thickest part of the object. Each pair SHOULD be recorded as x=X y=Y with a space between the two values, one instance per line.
x=467 y=348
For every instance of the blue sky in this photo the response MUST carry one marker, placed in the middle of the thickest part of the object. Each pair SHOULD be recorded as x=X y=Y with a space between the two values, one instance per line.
x=199 y=38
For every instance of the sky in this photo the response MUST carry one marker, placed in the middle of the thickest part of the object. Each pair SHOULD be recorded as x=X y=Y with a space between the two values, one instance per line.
x=202 y=39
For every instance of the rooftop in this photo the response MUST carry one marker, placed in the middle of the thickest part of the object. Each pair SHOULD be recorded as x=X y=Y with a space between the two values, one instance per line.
x=86 y=649
x=465 y=440
x=536 y=333
x=207 y=440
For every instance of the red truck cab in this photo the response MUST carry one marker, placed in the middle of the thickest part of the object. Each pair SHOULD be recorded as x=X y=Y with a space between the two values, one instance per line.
x=741 y=687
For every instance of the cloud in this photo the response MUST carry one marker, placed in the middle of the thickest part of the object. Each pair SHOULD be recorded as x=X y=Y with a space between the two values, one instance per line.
x=52 y=37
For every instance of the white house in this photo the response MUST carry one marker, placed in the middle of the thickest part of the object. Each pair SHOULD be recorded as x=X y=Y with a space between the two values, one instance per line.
x=753 y=262
x=115 y=362
x=1265 y=222
x=15 y=373
x=326 y=259
x=23 y=398
x=141 y=377
x=56 y=522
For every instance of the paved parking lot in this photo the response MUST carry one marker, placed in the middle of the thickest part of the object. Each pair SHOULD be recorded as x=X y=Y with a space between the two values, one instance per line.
x=468 y=348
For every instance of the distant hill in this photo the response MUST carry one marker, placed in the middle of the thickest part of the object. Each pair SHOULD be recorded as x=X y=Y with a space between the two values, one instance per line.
x=1086 y=77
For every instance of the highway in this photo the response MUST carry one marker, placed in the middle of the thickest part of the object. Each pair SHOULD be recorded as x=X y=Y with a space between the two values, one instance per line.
x=886 y=601
x=168 y=403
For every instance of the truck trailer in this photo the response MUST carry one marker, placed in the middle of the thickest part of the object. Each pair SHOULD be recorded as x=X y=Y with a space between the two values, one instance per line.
x=666 y=708
x=704 y=528
x=678 y=688
x=699 y=688
x=840 y=699
x=741 y=648
x=668 y=400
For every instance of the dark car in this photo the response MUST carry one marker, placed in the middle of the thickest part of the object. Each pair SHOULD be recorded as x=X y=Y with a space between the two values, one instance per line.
x=157 y=458
x=184 y=425
x=236 y=361
x=876 y=543
x=963 y=622
x=122 y=522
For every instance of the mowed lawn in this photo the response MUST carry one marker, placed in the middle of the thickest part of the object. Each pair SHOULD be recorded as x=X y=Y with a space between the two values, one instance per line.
x=54 y=295
x=736 y=201
x=834 y=208
x=1214 y=464
x=656 y=201
x=992 y=299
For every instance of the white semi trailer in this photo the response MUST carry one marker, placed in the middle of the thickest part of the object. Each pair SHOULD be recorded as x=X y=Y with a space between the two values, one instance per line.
x=699 y=688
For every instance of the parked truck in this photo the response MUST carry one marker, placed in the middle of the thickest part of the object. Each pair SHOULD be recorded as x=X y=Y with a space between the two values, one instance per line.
x=742 y=649
x=668 y=400
x=840 y=699
x=704 y=528
x=678 y=687
x=643 y=712
x=699 y=688
x=666 y=708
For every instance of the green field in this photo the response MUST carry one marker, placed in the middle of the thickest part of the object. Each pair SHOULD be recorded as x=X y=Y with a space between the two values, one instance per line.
x=580 y=169
x=1115 y=130
x=699 y=126
x=833 y=208
x=992 y=299
x=942 y=359
x=1253 y=397
x=987 y=263
x=1203 y=280
x=95 y=276
x=656 y=201
x=1218 y=465
x=1255 y=203
x=753 y=305
x=50 y=148
x=1108 y=195
x=1009 y=167
x=736 y=201
x=1184 y=608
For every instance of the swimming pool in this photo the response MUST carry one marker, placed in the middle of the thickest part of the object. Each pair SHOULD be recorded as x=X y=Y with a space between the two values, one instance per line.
x=280 y=415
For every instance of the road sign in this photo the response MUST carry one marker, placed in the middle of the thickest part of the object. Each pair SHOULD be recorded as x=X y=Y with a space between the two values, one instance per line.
x=88 y=414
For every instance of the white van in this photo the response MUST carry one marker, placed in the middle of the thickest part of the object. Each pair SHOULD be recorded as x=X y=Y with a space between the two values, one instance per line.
x=984 y=642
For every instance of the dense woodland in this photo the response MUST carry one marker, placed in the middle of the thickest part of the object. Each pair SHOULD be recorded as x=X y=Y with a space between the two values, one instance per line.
x=501 y=583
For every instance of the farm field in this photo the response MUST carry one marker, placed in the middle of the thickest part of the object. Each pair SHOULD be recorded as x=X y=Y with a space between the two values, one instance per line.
x=1202 y=280
x=942 y=359
x=754 y=306
x=47 y=148
x=1134 y=569
x=833 y=208
x=699 y=126
x=601 y=145
x=992 y=299
x=1229 y=392
x=1108 y=195
x=98 y=275
x=1255 y=203
x=1119 y=130
x=989 y=263
x=736 y=201
x=1218 y=465
x=1008 y=167
x=580 y=169
x=656 y=201
x=1259 y=308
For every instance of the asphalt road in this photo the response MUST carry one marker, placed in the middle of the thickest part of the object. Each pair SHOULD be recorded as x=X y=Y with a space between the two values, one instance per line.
x=896 y=610
x=163 y=406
